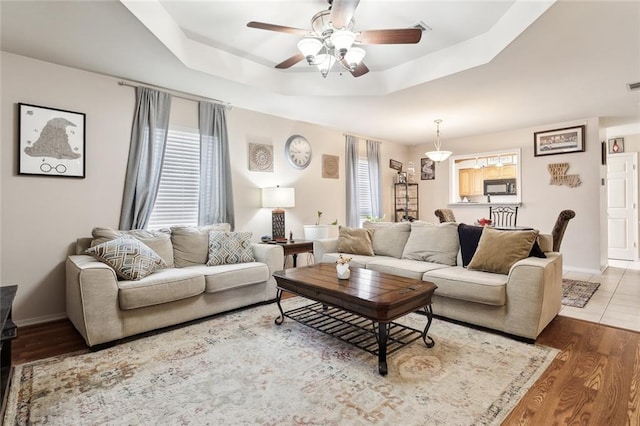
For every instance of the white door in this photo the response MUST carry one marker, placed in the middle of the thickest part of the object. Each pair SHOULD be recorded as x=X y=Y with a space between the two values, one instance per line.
x=621 y=204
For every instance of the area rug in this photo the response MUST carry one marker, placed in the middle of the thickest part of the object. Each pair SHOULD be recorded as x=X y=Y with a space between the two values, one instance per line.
x=577 y=293
x=241 y=368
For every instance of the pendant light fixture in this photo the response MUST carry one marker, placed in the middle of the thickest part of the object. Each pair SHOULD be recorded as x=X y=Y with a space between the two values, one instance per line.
x=438 y=155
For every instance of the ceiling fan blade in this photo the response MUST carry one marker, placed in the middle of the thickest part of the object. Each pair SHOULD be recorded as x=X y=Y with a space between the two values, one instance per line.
x=361 y=69
x=288 y=63
x=398 y=36
x=278 y=28
x=342 y=12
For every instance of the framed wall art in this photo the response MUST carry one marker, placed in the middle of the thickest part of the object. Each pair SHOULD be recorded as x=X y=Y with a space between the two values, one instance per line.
x=427 y=169
x=559 y=141
x=616 y=145
x=395 y=165
x=51 y=142
x=330 y=166
x=260 y=157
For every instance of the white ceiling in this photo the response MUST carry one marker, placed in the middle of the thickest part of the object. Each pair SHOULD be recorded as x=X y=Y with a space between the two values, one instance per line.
x=482 y=66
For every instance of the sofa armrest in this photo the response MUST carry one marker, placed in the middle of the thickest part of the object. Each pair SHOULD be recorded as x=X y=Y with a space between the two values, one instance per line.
x=92 y=299
x=273 y=256
x=321 y=247
x=534 y=294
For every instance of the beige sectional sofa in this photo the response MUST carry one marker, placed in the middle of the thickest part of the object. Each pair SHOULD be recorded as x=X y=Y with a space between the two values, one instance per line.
x=520 y=301
x=105 y=307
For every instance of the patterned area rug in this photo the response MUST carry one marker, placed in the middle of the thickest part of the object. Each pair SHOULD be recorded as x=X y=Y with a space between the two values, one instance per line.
x=241 y=368
x=577 y=293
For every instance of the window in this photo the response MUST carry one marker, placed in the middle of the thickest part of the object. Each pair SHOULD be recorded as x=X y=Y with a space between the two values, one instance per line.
x=364 y=190
x=486 y=177
x=177 y=200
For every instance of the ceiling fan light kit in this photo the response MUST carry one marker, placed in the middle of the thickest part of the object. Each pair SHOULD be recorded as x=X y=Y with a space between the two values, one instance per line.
x=438 y=155
x=332 y=39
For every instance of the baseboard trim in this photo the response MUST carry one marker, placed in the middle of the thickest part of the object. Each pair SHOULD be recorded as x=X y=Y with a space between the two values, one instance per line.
x=40 y=320
x=581 y=270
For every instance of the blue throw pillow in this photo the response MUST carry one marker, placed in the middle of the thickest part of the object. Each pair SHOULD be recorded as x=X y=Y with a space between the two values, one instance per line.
x=469 y=236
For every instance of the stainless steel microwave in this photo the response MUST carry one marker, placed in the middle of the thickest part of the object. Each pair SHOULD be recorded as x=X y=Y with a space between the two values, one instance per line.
x=500 y=187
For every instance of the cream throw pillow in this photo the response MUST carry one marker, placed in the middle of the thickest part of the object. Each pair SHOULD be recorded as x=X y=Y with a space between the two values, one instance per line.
x=498 y=250
x=437 y=243
x=355 y=241
x=129 y=257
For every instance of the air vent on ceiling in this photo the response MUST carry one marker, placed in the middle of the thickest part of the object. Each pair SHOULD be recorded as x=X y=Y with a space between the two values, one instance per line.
x=634 y=86
x=424 y=27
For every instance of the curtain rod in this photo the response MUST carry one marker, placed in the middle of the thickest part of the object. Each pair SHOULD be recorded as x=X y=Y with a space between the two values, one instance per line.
x=361 y=137
x=176 y=93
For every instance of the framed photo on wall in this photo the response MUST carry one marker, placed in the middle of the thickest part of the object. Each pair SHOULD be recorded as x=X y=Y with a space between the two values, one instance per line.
x=427 y=169
x=616 y=145
x=51 y=142
x=559 y=141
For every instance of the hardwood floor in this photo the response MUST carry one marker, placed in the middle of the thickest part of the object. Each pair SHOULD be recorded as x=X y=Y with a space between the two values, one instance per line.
x=595 y=380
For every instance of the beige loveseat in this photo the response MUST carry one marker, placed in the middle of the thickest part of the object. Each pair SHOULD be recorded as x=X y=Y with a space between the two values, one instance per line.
x=104 y=307
x=520 y=302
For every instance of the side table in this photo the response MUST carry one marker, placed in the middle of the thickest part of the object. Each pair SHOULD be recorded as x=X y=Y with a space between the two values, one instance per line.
x=294 y=248
x=9 y=332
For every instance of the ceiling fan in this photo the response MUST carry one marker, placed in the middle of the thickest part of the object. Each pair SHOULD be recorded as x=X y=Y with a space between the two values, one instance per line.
x=332 y=39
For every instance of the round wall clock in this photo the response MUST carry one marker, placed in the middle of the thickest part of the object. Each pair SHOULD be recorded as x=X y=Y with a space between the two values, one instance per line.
x=298 y=151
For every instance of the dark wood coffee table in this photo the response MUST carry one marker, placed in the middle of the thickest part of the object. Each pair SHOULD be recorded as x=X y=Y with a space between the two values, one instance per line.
x=359 y=310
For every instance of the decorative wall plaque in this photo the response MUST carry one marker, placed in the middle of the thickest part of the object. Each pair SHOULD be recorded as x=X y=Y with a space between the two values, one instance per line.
x=260 y=157
x=559 y=176
x=330 y=166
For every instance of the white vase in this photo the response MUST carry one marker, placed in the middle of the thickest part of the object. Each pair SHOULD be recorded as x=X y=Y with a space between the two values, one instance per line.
x=320 y=232
x=343 y=271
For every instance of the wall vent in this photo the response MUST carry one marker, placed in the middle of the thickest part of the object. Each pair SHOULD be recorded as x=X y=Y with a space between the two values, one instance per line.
x=634 y=86
x=424 y=27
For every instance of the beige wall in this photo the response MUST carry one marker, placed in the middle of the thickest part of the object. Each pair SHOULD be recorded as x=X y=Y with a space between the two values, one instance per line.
x=42 y=216
x=541 y=202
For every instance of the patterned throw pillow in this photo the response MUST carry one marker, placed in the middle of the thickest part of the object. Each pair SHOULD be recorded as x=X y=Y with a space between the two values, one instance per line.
x=229 y=247
x=130 y=258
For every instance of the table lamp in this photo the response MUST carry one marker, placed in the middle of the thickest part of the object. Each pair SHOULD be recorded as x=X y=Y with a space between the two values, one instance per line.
x=278 y=198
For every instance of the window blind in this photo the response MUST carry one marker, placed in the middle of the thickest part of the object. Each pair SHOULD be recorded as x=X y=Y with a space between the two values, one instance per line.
x=364 y=190
x=177 y=200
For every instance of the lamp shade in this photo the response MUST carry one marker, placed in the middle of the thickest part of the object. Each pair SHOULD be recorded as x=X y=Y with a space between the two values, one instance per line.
x=438 y=156
x=354 y=56
x=278 y=197
x=309 y=47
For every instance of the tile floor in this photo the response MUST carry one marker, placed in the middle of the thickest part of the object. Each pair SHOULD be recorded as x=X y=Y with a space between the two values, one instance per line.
x=617 y=300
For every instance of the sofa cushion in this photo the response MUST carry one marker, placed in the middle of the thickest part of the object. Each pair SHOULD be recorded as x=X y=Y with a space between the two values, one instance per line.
x=357 y=260
x=474 y=286
x=164 y=286
x=389 y=238
x=191 y=244
x=355 y=241
x=157 y=240
x=229 y=247
x=498 y=250
x=403 y=267
x=130 y=258
x=437 y=243
x=226 y=277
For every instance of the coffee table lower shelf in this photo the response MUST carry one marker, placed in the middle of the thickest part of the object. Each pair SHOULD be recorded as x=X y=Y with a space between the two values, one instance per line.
x=359 y=331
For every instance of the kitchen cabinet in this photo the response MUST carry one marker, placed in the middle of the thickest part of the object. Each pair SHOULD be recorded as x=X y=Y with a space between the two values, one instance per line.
x=470 y=182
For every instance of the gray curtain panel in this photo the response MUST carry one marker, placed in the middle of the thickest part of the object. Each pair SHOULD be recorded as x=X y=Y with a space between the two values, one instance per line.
x=351 y=173
x=375 y=185
x=146 y=153
x=216 y=193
